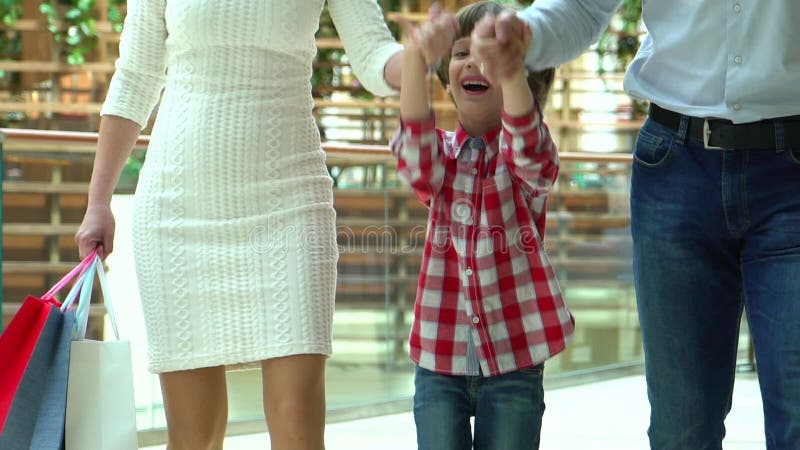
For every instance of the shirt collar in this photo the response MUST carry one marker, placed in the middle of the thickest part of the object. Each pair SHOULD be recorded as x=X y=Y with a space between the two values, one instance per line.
x=490 y=140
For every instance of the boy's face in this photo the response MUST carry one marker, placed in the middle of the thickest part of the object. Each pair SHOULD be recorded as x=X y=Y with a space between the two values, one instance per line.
x=474 y=96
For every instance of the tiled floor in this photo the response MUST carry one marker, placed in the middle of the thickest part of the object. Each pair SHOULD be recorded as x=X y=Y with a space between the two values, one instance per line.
x=608 y=415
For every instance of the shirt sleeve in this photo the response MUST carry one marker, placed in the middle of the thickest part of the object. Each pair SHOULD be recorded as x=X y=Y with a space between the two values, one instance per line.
x=140 y=70
x=367 y=41
x=529 y=151
x=564 y=29
x=419 y=148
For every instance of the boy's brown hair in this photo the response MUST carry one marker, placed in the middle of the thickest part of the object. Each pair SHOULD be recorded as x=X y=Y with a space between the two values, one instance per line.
x=539 y=82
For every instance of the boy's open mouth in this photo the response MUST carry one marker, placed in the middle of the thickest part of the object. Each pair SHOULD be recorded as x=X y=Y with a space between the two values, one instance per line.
x=474 y=85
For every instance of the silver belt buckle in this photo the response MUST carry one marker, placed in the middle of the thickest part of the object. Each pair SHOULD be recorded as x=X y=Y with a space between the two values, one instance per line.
x=707 y=135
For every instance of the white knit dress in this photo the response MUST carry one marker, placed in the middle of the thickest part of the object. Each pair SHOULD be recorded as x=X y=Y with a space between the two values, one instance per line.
x=234 y=228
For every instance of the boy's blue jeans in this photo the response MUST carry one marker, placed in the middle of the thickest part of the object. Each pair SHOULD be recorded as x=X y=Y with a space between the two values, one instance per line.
x=715 y=231
x=508 y=410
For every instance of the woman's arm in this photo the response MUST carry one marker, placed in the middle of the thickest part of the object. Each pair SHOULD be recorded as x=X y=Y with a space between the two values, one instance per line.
x=370 y=46
x=393 y=72
x=140 y=69
x=132 y=94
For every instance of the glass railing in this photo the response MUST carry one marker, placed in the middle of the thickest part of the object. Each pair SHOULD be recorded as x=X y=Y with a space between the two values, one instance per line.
x=381 y=237
x=381 y=231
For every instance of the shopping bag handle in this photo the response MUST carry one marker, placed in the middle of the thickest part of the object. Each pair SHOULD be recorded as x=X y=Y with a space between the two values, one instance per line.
x=82 y=310
x=73 y=292
x=101 y=275
x=79 y=269
x=79 y=290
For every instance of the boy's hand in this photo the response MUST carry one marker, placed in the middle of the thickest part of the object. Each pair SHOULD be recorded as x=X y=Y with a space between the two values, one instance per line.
x=500 y=44
x=435 y=37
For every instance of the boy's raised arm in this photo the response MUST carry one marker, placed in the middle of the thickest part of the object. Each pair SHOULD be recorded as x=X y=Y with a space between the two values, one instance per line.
x=416 y=144
x=527 y=146
x=414 y=102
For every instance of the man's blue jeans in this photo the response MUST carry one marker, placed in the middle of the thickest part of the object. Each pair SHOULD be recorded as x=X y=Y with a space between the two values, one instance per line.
x=508 y=410
x=715 y=231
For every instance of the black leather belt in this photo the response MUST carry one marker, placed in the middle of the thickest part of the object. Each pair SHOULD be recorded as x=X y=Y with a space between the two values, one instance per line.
x=772 y=134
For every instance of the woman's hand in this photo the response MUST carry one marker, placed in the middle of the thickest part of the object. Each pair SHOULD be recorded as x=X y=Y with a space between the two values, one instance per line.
x=96 y=231
x=434 y=38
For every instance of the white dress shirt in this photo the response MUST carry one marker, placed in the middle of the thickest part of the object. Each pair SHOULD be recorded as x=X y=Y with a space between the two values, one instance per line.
x=732 y=59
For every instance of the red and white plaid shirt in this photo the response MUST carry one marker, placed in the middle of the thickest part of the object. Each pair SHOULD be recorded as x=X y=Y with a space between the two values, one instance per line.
x=484 y=271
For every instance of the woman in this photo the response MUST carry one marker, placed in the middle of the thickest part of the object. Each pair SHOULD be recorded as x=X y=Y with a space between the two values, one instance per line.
x=234 y=228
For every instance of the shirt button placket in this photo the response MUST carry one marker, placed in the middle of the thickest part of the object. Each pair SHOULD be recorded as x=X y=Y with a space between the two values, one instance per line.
x=737 y=9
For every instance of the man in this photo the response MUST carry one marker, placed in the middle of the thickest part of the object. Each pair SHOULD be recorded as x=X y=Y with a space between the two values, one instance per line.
x=715 y=200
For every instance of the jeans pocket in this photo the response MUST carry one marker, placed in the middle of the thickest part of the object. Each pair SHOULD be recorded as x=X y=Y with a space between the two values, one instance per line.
x=651 y=149
x=793 y=155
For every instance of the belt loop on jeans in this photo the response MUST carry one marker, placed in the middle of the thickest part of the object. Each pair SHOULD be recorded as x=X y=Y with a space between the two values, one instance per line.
x=683 y=130
x=779 y=136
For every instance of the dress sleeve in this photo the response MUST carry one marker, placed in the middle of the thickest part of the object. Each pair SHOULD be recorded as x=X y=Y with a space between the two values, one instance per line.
x=367 y=41
x=141 y=67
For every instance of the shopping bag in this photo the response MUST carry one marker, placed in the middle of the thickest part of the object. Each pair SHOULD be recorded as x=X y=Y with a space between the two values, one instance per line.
x=101 y=412
x=16 y=347
x=34 y=418
x=21 y=335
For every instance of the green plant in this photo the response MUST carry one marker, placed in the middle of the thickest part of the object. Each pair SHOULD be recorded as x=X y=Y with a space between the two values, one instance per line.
x=130 y=172
x=329 y=72
x=115 y=14
x=10 y=42
x=621 y=39
x=74 y=30
x=10 y=11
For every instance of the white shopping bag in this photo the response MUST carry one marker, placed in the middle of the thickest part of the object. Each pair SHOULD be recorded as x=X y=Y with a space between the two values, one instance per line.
x=101 y=413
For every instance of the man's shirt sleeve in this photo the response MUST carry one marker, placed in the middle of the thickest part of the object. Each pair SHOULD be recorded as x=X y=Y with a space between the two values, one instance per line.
x=564 y=29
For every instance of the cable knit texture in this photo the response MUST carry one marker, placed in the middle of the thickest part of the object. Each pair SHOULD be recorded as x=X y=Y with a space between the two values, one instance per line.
x=234 y=227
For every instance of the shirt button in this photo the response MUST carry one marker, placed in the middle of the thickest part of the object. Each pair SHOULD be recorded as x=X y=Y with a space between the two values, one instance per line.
x=462 y=212
x=737 y=59
x=475 y=319
x=737 y=7
x=737 y=106
x=468 y=272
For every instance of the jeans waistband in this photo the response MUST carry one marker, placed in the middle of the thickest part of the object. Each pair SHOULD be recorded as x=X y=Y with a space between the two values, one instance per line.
x=772 y=134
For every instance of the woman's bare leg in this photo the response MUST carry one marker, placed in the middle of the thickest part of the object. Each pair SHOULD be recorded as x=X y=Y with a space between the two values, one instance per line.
x=196 y=405
x=294 y=401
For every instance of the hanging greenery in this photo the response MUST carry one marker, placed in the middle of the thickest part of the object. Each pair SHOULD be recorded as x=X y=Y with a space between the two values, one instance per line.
x=115 y=8
x=72 y=24
x=621 y=40
x=10 y=42
x=10 y=45
x=10 y=11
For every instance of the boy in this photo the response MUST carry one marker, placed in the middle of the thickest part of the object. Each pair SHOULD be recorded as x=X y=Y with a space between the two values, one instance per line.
x=488 y=310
